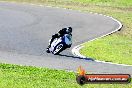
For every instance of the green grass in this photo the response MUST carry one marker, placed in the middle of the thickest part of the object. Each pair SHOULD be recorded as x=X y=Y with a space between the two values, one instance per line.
x=120 y=3
x=14 y=76
x=110 y=49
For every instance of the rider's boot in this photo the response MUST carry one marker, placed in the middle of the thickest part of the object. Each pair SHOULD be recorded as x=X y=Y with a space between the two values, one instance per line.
x=47 y=50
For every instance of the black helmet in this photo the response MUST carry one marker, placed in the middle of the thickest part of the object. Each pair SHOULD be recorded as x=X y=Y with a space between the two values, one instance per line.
x=69 y=30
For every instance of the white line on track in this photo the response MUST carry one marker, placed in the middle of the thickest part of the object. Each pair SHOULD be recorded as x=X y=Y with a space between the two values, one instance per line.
x=76 y=49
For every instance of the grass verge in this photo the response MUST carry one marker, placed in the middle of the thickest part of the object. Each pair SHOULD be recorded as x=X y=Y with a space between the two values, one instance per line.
x=14 y=76
x=110 y=49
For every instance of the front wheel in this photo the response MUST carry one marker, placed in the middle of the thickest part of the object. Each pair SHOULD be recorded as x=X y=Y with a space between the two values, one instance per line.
x=58 y=48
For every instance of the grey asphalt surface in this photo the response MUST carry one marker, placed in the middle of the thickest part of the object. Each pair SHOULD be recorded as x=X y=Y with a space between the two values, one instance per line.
x=26 y=29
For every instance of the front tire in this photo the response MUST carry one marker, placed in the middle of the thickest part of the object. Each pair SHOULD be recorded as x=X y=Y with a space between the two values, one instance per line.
x=58 y=48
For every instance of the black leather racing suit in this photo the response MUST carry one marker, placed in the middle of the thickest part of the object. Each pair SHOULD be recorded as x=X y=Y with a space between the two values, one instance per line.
x=58 y=35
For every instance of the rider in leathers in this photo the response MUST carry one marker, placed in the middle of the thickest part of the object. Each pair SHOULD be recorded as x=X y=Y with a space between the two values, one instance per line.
x=61 y=33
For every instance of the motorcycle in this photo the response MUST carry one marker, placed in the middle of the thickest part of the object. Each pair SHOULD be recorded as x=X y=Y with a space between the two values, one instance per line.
x=60 y=44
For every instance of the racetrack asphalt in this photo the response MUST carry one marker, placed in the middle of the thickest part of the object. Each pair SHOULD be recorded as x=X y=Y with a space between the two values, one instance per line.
x=26 y=29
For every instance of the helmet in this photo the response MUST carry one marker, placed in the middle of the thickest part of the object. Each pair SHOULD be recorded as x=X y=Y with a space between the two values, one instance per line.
x=69 y=30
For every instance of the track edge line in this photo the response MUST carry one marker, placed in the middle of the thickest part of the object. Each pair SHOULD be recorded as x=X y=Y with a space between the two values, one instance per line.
x=75 y=50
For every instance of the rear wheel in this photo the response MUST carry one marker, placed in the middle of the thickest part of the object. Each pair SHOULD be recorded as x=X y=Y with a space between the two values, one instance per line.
x=58 y=49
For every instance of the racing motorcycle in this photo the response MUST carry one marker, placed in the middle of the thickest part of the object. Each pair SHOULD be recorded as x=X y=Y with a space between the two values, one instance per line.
x=60 y=44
